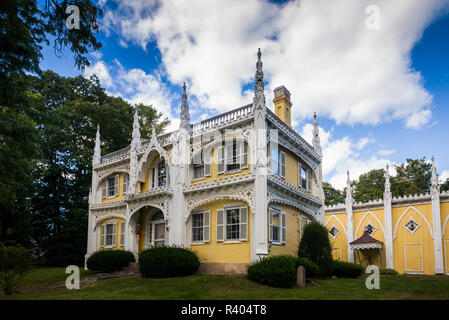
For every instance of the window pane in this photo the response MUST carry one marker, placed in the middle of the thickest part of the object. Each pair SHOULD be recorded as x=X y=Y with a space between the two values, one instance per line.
x=111 y=185
x=233 y=224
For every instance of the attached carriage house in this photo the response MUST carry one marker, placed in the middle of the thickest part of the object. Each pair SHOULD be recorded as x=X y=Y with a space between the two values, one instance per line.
x=235 y=187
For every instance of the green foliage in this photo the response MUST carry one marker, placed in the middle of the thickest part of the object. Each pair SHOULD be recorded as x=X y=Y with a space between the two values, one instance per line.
x=332 y=195
x=347 y=270
x=109 y=260
x=412 y=177
x=168 y=261
x=15 y=262
x=311 y=268
x=275 y=271
x=315 y=245
x=445 y=185
x=371 y=186
x=388 y=271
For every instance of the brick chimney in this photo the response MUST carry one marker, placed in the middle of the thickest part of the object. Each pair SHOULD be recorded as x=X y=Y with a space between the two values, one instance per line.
x=282 y=104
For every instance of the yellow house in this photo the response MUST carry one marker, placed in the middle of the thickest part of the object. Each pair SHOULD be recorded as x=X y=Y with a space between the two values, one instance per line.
x=409 y=234
x=234 y=187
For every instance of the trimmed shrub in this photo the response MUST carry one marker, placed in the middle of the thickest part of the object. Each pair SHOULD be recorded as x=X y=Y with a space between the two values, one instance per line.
x=347 y=270
x=15 y=262
x=311 y=268
x=388 y=271
x=168 y=261
x=109 y=260
x=276 y=271
x=316 y=247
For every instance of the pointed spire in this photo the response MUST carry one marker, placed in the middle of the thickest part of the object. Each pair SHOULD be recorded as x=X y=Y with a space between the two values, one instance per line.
x=259 y=86
x=348 y=189
x=153 y=129
x=185 y=113
x=97 y=150
x=316 y=136
x=434 y=175
x=136 y=143
x=387 y=179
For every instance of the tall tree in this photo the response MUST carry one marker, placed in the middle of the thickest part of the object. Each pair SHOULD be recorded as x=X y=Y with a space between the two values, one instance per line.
x=332 y=196
x=412 y=177
x=69 y=110
x=370 y=186
x=24 y=28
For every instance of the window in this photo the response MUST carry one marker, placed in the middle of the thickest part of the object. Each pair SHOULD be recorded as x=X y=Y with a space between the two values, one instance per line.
x=232 y=156
x=277 y=224
x=232 y=224
x=122 y=234
x=274 y=160
x=302 y=223
x=412 y=225
x=370 y=228
x=220 y=160
x=110 y=187
x=108 y=234
x=161 y=173
x=334 y=232
x=282 y=164
x=125 y=183
x=153 y=177
x=200 y=227
x=198 y=166
x=304 y=177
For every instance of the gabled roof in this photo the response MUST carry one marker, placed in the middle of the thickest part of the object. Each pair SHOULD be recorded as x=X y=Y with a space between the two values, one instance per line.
x=366 y=242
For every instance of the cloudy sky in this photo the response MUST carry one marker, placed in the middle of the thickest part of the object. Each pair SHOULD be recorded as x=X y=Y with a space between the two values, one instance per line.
x=376 y=72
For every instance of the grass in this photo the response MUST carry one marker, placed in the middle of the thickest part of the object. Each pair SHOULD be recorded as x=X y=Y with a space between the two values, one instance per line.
x=41 y=277
x=202 y=286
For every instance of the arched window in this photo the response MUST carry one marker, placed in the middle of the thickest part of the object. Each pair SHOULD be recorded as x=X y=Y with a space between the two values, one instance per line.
x=161 y=173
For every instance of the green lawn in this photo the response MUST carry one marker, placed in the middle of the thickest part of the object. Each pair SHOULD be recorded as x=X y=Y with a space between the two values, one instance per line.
x=229 y=287
x=40 y=277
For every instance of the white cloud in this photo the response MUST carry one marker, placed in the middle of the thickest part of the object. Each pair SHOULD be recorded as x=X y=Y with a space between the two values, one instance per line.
x=385 y=152
x=101 y=71
x=319 y=49
x=418 y=119
x=136 y=86
x=340 y=155
x=444 y=176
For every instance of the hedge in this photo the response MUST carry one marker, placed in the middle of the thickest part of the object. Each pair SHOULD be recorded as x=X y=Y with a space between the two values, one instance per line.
x=311 y=268
x=109 y=260
x=388 y=271
x=167 y=261
x=347 y=270
x=276 y=271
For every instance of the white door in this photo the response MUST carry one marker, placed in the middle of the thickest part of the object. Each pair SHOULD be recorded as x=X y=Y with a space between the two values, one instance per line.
x=158 y=233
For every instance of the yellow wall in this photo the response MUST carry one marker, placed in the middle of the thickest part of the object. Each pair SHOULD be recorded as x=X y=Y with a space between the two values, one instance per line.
x=221 y=252
x=292 y=169
x=444 y=212
x=421 y=236
x=118 y=221
x=339 y=244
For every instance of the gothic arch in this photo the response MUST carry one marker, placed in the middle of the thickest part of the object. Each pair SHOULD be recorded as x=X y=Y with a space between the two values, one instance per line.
x=143 y=205
x=444 y=226
x=293 y=205
x=338 y=220
x=418 y=212
x=155 y=146
x=217 y=198
x=99 y=220
x=363 y=218
x=108 y=173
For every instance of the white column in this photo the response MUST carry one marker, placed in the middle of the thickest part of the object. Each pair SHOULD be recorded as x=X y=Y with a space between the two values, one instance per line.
x=388 y=223
x=436 y=217
x=349 y=220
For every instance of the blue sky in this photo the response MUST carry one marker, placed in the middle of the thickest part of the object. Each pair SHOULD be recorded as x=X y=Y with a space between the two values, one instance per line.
x=381 y=95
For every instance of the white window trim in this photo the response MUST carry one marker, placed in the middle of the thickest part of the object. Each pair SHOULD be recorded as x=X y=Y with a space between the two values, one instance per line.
x=204 y=226
x=405 y=225
x=282 y=228
x=336 y=235
x=239 y=240
x=282 y=164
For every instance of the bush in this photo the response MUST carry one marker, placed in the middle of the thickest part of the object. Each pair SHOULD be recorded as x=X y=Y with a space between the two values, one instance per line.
x=347 y=270
x=109 y=260
x=168 y=261
x=316 y=247
x=311 y=268
x=15 y=261
x=276 y=271
x=388 y=271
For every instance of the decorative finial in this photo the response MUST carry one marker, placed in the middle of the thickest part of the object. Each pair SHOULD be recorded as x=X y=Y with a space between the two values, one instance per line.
x=136 y=132
x=153 y=128
x=387 y=179
x=97 y=150
x=185 y=114
x=259 y=86
x=434 y=174
x=316 y=136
